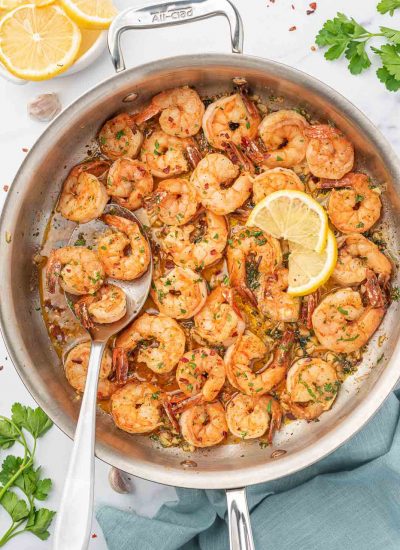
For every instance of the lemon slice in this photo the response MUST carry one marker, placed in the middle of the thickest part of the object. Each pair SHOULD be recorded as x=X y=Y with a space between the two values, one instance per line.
x=90 y=14
x=292 y=215
x=38 y=43
x=309 y=270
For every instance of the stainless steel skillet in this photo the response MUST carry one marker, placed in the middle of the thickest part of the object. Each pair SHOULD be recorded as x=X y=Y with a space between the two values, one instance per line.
x=33 y=196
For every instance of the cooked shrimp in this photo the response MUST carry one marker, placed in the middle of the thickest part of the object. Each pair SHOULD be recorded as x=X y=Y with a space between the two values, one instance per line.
x=283 y=135
x=76 y=367
x=356 y=255
x=311 y=388
x=181 y=111
x=198 y=244
x=329 y=153
x=250 y=255
x=356 y=208
x=174 y=202
x=248 y=349
x=112 y=249
x=204 y=425
x=342 y=323
x=219 y=321
x=230 y=118
x=249 y=417
x=120 y=137
x=78 y=269
x=180 y=293
x=165 y=155
x=273 y=300
x=274 y=180
x=201 y=372
x=136 y=408
x=159 y=339
x=220 y=188
x=128 y=182
x=107 y=305
x=83 y=196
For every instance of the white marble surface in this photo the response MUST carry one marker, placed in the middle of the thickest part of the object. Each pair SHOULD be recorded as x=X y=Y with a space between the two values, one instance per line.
x=267 y=35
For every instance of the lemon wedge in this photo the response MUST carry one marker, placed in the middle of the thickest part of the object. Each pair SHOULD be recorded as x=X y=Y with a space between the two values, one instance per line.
x=90 y=14
x=38 y=43
x=309 y=270
x=292 y=215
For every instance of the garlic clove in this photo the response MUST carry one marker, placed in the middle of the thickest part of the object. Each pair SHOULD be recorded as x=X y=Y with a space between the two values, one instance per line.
x=120 y=481
x=44 y=107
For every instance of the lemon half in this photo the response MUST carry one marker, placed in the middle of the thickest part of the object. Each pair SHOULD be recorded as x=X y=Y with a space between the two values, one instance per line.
x=309 y=270
x=294 y=216
x=37 y=43
x=90 y=14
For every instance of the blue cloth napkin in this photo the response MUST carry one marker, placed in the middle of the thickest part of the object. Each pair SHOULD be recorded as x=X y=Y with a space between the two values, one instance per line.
x=350 y=501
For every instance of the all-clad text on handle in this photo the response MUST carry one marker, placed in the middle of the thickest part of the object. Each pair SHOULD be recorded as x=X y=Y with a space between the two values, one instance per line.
x=175 y=13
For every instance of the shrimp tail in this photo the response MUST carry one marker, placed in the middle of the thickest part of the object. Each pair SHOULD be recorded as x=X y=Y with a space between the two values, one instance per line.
x=194 y=155
x=82 y=312
x=276 y=419
x=149 y=112
x=247 y=294
x=307 y=309
x=346 y=181
x=254 y=151
x=374 y=291
x=238 y=157
x=182 y=404
x=171 y=414
x=121 y=365
x=282 y=352
x=53 y=271
x=229 y=295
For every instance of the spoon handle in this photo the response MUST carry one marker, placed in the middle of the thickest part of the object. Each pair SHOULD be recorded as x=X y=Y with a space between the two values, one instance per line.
x=74 y=517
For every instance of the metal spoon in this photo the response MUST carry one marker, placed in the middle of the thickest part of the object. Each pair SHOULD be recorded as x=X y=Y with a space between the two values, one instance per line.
x=74 y=517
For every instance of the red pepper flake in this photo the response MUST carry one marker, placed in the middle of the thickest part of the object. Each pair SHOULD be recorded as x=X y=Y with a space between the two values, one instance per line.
x=94 y=536
x=6 y=188
x=213 y=352
x=184 y=360
x=25 y=150
x=292 y=28
x=213 y=252
x=293 y=8
x=313 y=7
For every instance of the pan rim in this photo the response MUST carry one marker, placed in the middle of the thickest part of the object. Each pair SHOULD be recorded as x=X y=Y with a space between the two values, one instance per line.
x=252 y=474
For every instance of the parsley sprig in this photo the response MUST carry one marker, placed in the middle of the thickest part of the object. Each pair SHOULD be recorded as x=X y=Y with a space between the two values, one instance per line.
x=25 y=427
x=385 y=6
x=344 y=36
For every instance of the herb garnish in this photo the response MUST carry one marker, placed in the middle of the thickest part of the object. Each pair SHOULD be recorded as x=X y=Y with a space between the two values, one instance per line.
x=20 y=473
x=344 y=36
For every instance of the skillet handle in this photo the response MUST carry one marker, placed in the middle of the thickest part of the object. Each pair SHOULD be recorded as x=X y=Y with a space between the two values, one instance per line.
x=240 y=533
x=169 y=14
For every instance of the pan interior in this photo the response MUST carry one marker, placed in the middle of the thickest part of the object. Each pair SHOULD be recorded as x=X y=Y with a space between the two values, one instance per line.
x=30 y=203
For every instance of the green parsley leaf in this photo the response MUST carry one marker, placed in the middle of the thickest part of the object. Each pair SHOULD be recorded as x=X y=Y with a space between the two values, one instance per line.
x=391 y=83
x=17 y=508
x=386 y=6
x=35 y=421
x=392 y=35
x=39 y=522
x=390 y=56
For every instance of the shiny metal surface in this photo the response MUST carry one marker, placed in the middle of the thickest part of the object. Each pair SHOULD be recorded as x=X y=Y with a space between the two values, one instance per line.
x=240 y=533
x=74 y=517
x=172 y=14
x=28 y=207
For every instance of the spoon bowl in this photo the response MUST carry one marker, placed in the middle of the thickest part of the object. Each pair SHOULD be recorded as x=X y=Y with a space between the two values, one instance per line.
x=136 y=291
